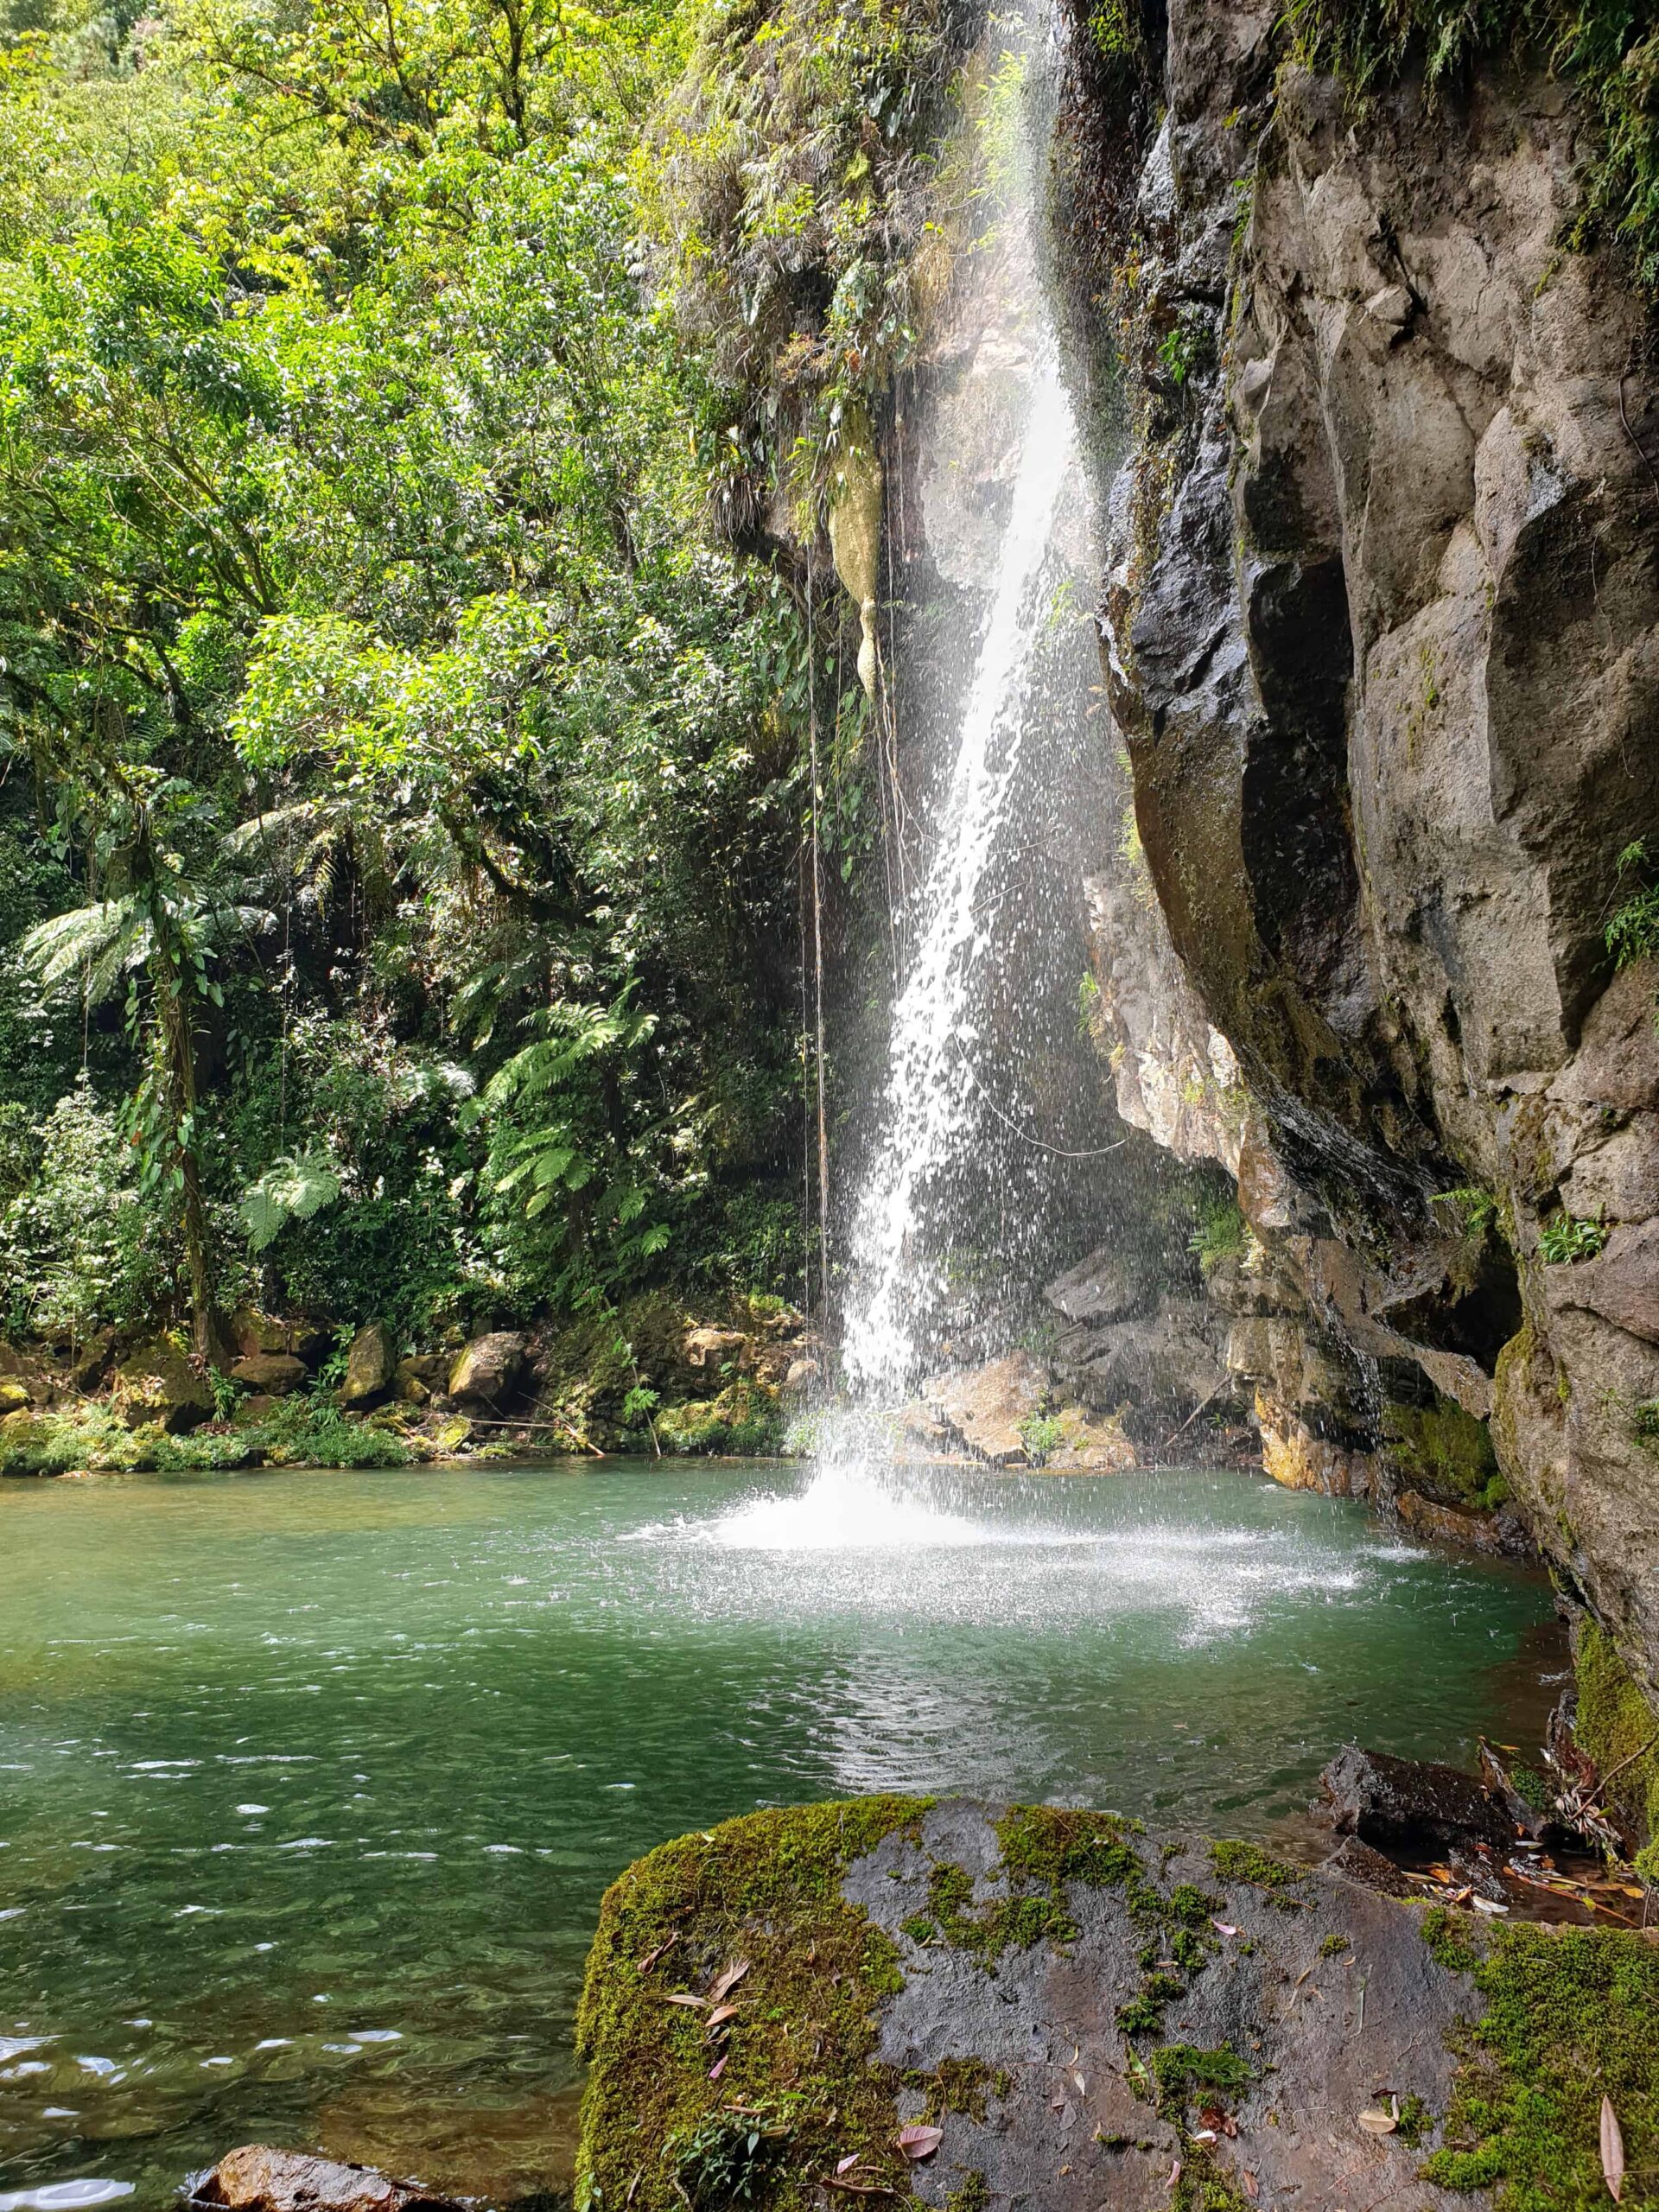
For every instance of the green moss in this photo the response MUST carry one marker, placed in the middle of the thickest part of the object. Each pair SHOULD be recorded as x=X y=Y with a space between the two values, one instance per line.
x=973 y=2195
x=1181 y=2069
x=959 y=2085
x=1446 y=1454
x=1569 y=2018
x=743 y=1422
x=1247 y=1862
x=1333 y=1947
x=1415 y=2122
x=799 y=2052
x=1614 y=1721
x=1203 y=2187
x=987 y=1929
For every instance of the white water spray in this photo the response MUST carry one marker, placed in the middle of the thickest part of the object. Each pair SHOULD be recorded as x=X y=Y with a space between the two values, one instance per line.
x=932 y=1101
x=930 y=1106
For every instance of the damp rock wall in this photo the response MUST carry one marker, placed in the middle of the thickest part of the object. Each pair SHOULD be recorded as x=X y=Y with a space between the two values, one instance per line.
x=1380 y=620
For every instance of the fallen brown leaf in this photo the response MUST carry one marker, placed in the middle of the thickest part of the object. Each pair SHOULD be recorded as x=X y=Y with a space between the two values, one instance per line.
x=684 y=1997
x=1612 y=2152
x=919 y=2140
x=1377 y=2123
x=722 y=2012
x=729 y=1981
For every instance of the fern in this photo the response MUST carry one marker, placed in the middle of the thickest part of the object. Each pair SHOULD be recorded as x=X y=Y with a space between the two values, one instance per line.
x=291 y=1189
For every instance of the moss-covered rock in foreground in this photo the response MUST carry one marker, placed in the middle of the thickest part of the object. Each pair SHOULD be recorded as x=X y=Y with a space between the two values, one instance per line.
x=1088 y=2015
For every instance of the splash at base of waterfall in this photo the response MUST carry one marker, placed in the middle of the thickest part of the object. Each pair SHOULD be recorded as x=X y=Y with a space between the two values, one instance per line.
x=844 y=1510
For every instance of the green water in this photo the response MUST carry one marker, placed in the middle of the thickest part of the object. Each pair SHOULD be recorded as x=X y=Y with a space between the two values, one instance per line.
x=309 y=1784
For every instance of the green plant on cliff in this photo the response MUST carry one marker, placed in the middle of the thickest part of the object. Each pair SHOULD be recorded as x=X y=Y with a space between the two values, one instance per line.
x=1564 y=1239
x=1632 y=931
x=1608 y=50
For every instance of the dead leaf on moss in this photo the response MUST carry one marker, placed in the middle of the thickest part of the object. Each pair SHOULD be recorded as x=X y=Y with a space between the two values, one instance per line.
x=1378 y=2123
x=919 y=2141
x=729 y=1981
x=1613 y=2151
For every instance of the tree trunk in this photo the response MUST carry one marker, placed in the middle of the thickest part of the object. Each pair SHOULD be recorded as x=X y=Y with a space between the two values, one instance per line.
x=173 y=1006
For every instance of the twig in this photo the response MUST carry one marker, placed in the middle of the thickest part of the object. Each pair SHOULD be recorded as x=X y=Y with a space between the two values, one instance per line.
x=1196 y=1411
x=1641 y=1752
x=563 y=1427
x=1640 y=450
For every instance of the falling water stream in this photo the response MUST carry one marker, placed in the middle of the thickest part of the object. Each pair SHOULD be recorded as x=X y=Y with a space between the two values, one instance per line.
x=934 y=1101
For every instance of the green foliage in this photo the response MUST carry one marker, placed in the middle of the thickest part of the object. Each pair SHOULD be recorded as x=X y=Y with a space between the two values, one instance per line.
x=728 y=2157
x=1632 y=931
x=1223 y=1233
x=1478 y=1211
x=418 y=781
x=291 y=1189
x=1565 y=1238
x=1568 y=2019
x=298 y=1432
x=1041 y=1433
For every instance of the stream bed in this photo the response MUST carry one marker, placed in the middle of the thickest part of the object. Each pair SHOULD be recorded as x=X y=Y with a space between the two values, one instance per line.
x=310 y=1782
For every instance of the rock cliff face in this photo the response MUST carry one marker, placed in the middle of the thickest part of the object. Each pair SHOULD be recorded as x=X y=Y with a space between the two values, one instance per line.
x=1382 y=626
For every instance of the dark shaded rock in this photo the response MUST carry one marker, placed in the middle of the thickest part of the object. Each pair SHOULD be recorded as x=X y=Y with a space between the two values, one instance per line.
x=159 y=1381
x=257 y=2178
x=1103 y=1287
x=274 y=1373
x=1411 y=1802
x=253 y=1332
x=1360 y=1862
x=488 y=1368
x=370 y=1366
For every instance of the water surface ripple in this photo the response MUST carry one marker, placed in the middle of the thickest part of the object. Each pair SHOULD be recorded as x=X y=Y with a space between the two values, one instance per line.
x=309 y=1784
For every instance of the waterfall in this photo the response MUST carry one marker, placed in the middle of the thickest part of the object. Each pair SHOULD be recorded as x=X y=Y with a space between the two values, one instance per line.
x=934 y=1097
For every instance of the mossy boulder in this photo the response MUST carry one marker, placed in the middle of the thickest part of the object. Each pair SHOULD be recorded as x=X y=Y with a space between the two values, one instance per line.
x=1089 y=2014
x=743 y=1419
x=159 y=1381
x=371 y=1364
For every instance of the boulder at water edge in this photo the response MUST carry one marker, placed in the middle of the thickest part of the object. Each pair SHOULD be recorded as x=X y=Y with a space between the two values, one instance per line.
x=487 y=1370
x=158 y=1381
x=257 y=2178
x=980 y=2007
x=370 y=1366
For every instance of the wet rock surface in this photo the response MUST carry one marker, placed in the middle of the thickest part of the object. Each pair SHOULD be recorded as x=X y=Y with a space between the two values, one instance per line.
x=1382 y=630
x=1385 y=1800
x=257 y=2178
